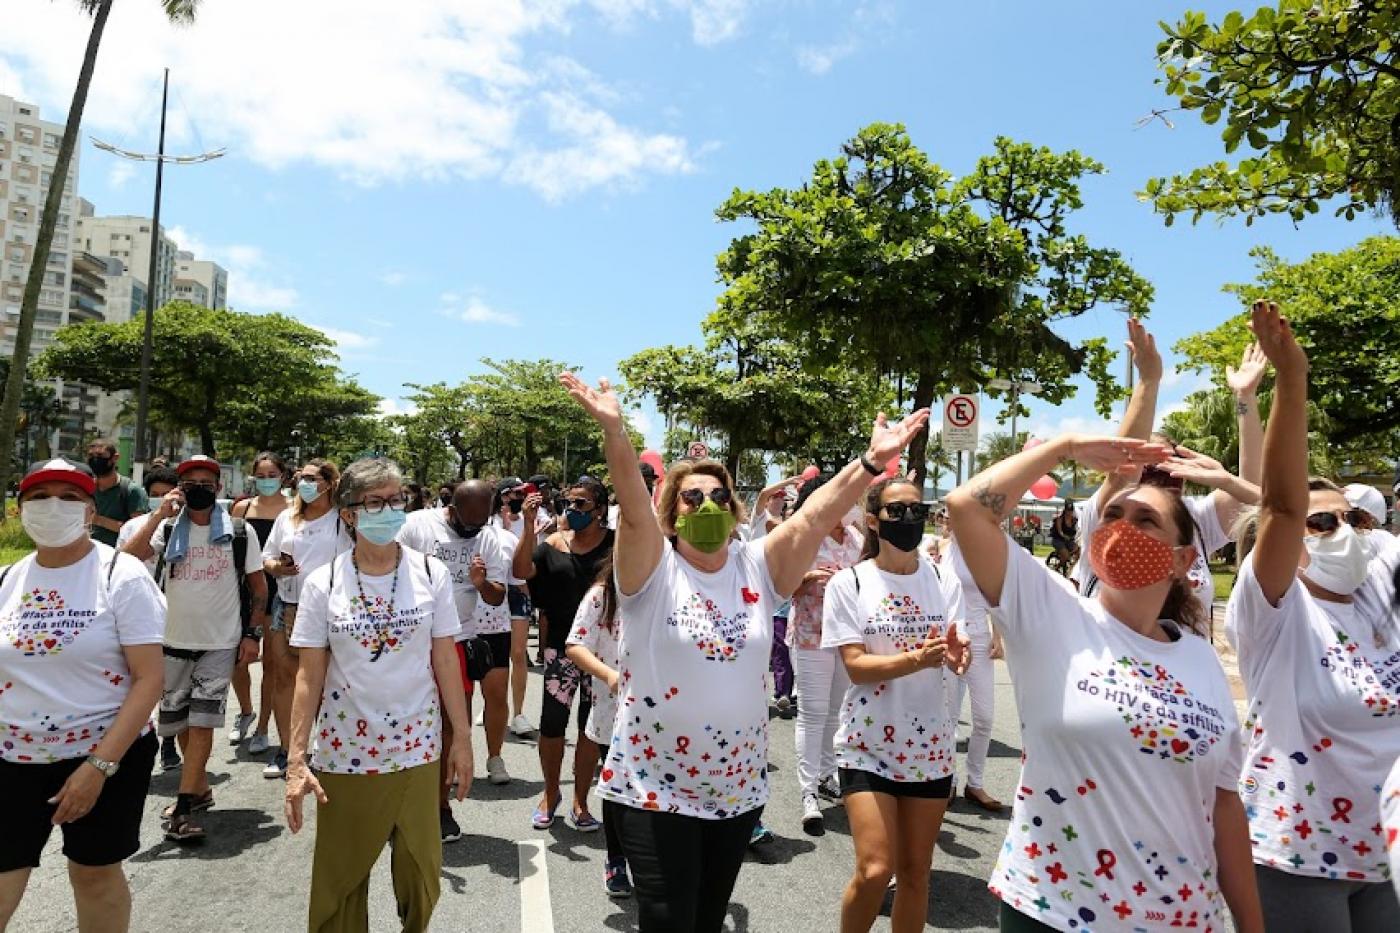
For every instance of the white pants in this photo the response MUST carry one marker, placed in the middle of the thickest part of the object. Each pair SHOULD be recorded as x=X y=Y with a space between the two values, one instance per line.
x=821 y=688
x=978 y=681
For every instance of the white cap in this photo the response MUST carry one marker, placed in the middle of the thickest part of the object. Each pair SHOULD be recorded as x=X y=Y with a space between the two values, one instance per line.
x=1361 y=496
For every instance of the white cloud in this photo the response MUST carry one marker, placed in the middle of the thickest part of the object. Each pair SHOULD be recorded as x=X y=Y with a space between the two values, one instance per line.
x=388 y=407
x=347 y=340
x=249 y=285
x=393 y=278
x=477 y=311
x=818 y=60
x=120 y=174
x=434 y=89
x=867 y=20
x=642 y=422
x=1045 y=427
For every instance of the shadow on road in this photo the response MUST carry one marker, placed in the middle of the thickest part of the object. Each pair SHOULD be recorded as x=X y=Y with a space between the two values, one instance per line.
x=958 y=901
x=517 y=789
x=782 y=850
x=231 y=834
x=499 y=855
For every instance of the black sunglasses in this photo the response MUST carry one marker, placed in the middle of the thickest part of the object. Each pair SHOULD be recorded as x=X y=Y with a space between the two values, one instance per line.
x=583 y=505
x=1324 y=523
x=916 y=511
x=694 y=498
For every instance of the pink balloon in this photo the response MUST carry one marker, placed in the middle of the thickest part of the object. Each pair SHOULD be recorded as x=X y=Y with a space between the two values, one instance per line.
x=1045 y=487
x=810 y=473
x=1032 y=442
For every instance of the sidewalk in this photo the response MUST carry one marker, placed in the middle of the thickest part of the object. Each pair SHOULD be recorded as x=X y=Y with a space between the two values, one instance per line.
x=1228 y=659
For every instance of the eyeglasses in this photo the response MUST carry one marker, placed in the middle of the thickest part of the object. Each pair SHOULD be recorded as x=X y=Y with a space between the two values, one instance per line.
x=199 y=484
x=375 y=505
x=1324 y=523
x=694 y=498
x=583 y=505
x=916 y=511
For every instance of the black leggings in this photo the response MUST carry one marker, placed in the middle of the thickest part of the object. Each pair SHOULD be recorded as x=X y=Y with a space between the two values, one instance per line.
x=1013 y=921
x=612 y=830
x=561 y=681
x=683 y=868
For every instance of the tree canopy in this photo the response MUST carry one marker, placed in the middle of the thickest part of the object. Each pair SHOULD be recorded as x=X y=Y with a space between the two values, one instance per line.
x=1313 y=88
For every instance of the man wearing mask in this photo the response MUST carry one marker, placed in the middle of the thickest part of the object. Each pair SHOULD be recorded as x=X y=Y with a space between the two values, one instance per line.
x=118 y=498
x=209 y=565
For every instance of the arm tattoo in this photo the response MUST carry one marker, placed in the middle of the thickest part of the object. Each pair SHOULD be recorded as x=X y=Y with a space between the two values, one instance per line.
x=995 y=502
x=1241 y=408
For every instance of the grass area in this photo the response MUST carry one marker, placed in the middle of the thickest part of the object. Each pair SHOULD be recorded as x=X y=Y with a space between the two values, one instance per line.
x=14 y=543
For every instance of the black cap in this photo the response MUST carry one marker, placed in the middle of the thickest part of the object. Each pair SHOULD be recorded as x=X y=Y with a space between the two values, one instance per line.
x=509 y=483
x=539 y=480
x=648 y=471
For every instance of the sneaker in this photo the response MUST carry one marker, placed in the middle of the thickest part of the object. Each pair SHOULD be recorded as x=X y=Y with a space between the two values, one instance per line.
x=451 y=832
x=829 y=788
x=277 y=767
x=241 y=725
x=615 y=880
x=813 y=824
x=521 y=726
x=480 y=718
x=583 y=822
x=258 y=743
x=784 y=704
x=496 y=770
x=169 y=755
x=762 y=835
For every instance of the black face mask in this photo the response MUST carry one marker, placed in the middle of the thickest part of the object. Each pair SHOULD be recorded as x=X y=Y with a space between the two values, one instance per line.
x=100 y=466
x=463 y=530
x=199 y=498
x=515 y=505
x=445 y=499
x=903 y=535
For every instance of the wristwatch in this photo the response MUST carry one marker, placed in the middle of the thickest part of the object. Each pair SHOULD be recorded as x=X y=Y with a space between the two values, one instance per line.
x=254 y=633
x=108 y=768
x=871 y=466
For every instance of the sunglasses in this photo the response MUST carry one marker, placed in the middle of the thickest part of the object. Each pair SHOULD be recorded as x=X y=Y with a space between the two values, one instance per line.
x=694 y=498
x=583 y=505
x=916 y=511
x=1324 y=523
x=376 y=505
x=198 y=484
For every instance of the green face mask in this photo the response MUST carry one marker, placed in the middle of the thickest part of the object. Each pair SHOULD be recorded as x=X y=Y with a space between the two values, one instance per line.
x=707 y=528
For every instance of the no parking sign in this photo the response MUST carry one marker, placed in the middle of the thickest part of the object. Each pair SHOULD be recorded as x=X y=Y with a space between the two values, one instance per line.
x=960 y=414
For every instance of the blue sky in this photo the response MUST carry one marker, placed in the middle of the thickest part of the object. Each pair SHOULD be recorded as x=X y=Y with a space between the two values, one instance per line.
x=434 y=181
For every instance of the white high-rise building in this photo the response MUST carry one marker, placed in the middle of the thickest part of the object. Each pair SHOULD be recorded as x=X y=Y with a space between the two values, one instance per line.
x=128 y=238
x=28 y=152
x=200 y=281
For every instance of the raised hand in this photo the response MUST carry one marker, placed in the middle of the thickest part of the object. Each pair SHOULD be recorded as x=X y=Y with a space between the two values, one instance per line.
x=531 y=508
x=1276 y=339
x=1115 y=454
x=1244 y=380
x=601 y=403
x=887 y=440
x=1143 y=348
x=1196 y=468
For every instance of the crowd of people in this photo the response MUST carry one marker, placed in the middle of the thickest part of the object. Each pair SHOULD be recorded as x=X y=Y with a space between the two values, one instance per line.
x=668 y=622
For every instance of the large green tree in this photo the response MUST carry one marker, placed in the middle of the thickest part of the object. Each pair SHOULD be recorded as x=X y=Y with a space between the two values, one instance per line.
x=884 y=262
x=1345 y=309
x=256 y=380
x=179 y=11
x=1311 y=86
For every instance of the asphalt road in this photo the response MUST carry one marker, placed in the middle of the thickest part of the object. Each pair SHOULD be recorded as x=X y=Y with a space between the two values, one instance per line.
x=252 y=874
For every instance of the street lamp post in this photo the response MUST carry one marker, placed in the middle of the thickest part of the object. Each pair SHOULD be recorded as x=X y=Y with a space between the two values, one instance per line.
x=1016 y=389
x=159 y=158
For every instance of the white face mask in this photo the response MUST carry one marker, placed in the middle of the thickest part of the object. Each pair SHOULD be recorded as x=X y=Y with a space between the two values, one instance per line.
x=54 y=522
x=1337 y=562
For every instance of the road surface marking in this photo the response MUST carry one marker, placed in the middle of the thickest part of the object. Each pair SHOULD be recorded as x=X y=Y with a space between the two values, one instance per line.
x=536 y=913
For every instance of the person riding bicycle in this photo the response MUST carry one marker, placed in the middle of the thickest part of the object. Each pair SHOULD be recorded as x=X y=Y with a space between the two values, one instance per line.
x=1064 y=532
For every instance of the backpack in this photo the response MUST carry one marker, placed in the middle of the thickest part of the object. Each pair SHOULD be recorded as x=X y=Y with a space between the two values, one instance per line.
x=240 y=556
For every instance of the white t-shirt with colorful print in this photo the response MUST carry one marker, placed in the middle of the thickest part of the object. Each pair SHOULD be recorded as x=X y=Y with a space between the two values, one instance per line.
x=898 y=728
x=379 y=705
x=691 y=734
x=63 y=674
x=804 y=629
x=1126 y=742
x=427 y=530
x=1323 y=727
x=600 y=636
x=1390 y=822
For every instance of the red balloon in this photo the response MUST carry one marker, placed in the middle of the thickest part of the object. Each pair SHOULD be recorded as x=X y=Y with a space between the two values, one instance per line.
x=810 y=473
x=653 y=458
x=1045 y=487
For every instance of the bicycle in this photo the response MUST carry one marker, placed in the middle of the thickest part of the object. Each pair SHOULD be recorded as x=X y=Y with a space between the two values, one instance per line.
x=1062 y=560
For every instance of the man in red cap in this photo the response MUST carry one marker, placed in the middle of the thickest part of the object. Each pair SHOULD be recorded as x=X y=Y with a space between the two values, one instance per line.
x=209 y=565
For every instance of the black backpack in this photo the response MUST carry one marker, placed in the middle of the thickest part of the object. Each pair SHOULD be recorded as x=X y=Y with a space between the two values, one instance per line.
x=240 y=556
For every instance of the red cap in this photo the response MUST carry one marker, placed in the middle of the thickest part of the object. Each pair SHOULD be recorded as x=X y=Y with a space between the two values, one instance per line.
x=60 y=470
x=198 y=462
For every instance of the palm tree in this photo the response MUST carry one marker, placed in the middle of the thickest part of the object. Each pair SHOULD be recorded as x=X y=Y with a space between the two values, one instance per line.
x=179 y=11
x=940 y=461
x=999 y=445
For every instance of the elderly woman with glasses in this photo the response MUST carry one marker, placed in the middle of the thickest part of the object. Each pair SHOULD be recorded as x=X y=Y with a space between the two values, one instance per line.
x=368 y=625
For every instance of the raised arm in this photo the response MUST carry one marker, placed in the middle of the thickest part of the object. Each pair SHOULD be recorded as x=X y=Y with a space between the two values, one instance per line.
x=1244 y=384
x=977 y=507
x=791 y=547
x=1142 y=406
x=638 y=543
x=1283 y=507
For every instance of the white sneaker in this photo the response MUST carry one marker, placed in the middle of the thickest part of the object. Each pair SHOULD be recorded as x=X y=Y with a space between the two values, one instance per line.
x=241 y=725
x=521 y=726
x=496 y=770
x=813 y=824
x=480 y=718
x=258 y=743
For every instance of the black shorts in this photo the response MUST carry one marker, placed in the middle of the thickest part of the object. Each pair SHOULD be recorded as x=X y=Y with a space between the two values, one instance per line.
x=518 y=598
x=109 y=833
x=856 y=782
x=499 y=644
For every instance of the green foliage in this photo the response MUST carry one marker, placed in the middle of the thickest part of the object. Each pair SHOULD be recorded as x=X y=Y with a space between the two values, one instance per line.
x=254 y=381
x=999 y=445
x=1210 y=425
x=884 y=263
x=1345 y=309
x=1312 y=87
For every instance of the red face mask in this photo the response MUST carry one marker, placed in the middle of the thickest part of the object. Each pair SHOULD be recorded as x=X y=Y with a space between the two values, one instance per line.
x=1126 y=558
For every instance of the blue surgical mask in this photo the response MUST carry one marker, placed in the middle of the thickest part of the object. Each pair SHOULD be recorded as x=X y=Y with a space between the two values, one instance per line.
x=578 y=520
x=309 y=491
x=380 y=527
x=268 y=486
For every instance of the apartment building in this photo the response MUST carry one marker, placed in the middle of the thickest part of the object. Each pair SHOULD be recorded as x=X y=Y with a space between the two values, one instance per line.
x=199 y=281
x=128 y=238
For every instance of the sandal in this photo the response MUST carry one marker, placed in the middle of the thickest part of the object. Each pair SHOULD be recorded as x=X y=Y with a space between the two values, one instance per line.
x=543 y=819
x=203 y=802
x=183 y=828
x=584 y=822
x=985 y=801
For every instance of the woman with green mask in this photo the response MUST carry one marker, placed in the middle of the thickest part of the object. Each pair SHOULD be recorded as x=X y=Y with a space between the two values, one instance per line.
x=689 y=757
